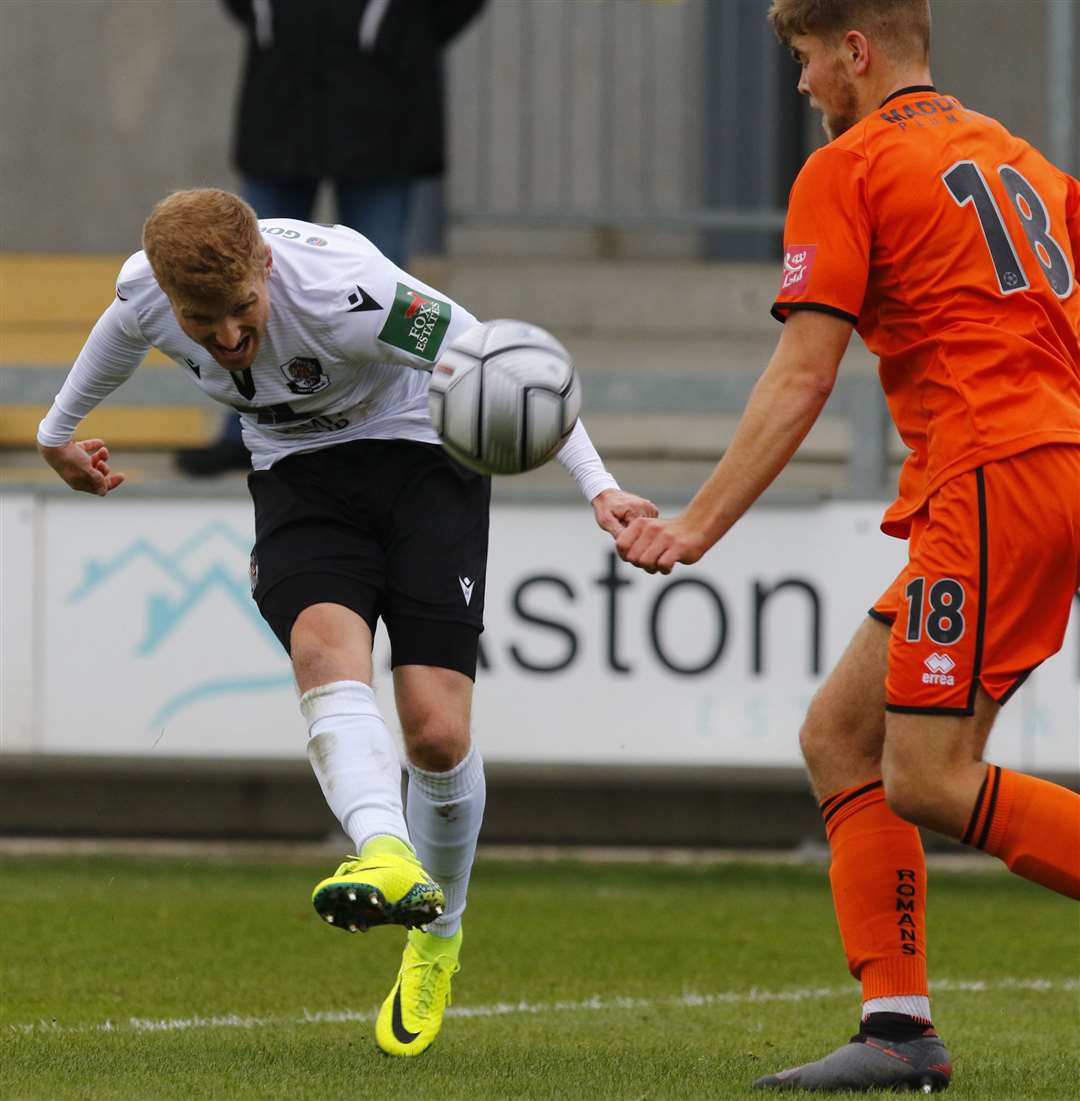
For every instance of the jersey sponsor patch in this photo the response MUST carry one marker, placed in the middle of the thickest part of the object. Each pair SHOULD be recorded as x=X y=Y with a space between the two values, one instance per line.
x=798 y=259
x=417 y=323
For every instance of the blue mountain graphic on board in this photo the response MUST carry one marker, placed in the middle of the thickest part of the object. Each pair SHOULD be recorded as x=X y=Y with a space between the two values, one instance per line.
x=96 y=573
x=191 y=585
x=164 y=613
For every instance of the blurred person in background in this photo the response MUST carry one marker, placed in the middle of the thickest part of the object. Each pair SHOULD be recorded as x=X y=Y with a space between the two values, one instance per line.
x=349 y=91
x=359 y=516
x=951 y=245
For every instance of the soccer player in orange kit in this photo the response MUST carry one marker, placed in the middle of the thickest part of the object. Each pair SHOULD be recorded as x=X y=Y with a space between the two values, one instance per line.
x=950 y=245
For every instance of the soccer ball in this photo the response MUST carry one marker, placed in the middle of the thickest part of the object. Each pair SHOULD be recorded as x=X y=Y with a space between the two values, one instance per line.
x=504 y=397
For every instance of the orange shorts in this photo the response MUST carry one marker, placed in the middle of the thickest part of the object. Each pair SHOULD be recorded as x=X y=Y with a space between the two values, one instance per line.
x=993 y=567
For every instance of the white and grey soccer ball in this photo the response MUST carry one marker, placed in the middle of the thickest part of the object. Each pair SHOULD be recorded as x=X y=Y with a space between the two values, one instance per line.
x=504 y=397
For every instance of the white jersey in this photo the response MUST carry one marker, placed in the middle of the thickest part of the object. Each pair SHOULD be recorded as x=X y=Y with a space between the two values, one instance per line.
x=345 y=354
x=339 y=355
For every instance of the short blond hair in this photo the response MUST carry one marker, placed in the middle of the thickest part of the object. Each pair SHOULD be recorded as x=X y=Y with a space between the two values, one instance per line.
x=203 y=245
x=900 y=27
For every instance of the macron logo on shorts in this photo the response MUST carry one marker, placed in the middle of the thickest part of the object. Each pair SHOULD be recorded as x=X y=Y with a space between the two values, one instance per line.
x=940 y=666
x=798 y=260
x=466 y=588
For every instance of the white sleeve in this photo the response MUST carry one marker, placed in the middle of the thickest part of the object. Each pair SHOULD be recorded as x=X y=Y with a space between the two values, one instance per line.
x=114 y=348
x=403 y=320
x=584 y=464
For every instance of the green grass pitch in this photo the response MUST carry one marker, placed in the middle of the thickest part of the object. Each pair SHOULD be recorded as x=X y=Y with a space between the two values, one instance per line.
x=192 y=977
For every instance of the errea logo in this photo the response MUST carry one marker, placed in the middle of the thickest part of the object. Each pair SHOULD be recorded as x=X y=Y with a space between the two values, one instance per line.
x=940 y=667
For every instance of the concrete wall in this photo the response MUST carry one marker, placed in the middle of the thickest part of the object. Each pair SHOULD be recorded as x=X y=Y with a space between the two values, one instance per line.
x=579 y=105
x=104 y=107
x=992 y=54
x=107 y=104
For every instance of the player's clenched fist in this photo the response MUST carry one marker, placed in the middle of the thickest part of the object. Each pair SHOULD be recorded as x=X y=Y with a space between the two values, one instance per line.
x=84 y=466
x=658 y=545
x=614 y=509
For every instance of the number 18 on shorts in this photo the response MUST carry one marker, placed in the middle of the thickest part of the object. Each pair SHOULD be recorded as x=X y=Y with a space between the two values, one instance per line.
x=989 y=584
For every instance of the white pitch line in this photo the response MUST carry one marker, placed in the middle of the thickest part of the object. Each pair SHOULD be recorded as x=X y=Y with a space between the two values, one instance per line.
x=687 y=1000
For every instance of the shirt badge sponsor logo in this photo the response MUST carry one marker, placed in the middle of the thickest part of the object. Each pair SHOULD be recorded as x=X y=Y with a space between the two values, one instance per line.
x=321 y=242
x=304 y=375
x=798 y=260
x=416 y=323
x=253 y=572
x=940 y=668
x=466 y=584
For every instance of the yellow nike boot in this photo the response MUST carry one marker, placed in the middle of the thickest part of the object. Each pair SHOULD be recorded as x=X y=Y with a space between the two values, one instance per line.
x=412 y=1014
x=384 y=885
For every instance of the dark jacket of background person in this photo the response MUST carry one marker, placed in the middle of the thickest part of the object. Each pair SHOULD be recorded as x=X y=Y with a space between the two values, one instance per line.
x=346 y=89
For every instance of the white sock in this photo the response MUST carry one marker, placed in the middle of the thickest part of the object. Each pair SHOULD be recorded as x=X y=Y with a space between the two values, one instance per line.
x=913 y=1005
x=355 y=760
x=445 y=810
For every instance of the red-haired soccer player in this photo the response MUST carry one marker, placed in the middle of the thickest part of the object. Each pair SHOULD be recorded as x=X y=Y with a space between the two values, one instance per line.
x=324 y=347
x=950 y=245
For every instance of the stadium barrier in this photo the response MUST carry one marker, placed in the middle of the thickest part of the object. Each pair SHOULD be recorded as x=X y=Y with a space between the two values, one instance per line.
x=611 y=705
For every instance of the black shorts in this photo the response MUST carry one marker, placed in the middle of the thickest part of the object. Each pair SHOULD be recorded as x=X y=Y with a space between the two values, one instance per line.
x=388 y=528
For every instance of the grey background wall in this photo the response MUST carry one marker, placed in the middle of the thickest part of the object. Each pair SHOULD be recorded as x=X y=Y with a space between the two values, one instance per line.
x=107 y=104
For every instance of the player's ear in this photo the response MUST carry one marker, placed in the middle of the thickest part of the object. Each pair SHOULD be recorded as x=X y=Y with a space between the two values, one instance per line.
x=269 y=258
x=858 y=50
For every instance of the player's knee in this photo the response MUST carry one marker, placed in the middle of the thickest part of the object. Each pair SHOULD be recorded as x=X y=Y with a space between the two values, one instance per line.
x=826 y=731
x=910 y=792
x=812 y=737
x=435 y=742
x=325 y=648
x=313 y=661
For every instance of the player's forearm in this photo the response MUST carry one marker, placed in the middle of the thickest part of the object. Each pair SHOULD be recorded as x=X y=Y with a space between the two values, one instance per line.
x=782 y=409
x=583 y=463
x=107 y=359
x=75 y=400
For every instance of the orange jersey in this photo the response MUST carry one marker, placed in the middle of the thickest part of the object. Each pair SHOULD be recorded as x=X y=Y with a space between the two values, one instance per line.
x=950 y=245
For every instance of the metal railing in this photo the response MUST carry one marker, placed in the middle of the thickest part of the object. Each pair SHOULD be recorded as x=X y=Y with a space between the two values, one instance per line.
x=596 y=113
x=682 y=114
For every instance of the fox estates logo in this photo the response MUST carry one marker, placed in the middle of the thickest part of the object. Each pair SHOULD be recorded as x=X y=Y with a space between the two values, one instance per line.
x=940 y=668
x=423 y=313
x=416 y=323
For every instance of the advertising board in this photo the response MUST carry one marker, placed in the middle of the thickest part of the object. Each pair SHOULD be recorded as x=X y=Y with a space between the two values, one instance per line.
x=129 y=629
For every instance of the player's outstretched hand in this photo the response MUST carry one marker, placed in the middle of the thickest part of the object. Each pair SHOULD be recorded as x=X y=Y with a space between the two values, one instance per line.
x=614 y=509
x=657 y=545
x=84 y=465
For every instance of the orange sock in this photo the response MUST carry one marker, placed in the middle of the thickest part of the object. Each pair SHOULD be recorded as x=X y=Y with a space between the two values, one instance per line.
x=878 y=877
x=1032 y=825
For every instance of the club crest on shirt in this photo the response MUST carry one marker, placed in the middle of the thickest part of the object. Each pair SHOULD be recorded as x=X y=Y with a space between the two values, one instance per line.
x=798 y=260
x=304 y=375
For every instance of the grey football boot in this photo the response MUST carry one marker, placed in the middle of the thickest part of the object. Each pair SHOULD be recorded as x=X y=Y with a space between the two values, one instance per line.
x=871 y=1063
